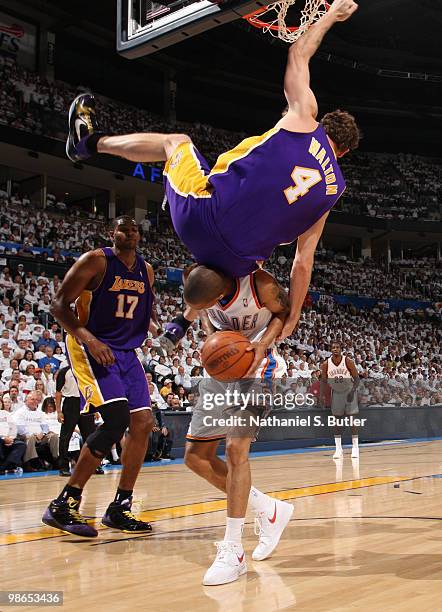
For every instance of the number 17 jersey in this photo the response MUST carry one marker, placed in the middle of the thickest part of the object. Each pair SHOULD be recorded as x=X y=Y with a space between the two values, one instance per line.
x=118 y=311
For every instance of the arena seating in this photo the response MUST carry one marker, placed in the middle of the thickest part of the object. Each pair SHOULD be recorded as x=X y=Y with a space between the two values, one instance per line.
x=378 y=185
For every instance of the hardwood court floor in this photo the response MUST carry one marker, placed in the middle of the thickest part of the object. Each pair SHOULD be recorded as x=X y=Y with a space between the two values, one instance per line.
x=356 y=541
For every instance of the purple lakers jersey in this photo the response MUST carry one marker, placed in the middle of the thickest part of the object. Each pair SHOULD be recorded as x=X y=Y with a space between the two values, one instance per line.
x=270 y=189
x=118 y=311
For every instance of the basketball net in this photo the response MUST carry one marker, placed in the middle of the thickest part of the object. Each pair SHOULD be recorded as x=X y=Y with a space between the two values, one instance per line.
x=312 y=11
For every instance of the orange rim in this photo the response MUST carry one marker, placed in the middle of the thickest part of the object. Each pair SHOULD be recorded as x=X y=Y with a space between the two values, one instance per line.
x=257 y=23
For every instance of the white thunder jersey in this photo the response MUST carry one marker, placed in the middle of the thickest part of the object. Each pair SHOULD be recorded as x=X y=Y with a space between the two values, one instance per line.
x=243 y=312
x=338 y=376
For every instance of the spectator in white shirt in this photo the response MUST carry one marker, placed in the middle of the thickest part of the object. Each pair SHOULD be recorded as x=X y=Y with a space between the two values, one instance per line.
x=27 y=313
x=183 y=378
x=31 y=423
x=11 y=449
x=5 y=358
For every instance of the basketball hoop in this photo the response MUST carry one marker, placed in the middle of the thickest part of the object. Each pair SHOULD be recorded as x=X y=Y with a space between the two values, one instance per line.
x=313 y=10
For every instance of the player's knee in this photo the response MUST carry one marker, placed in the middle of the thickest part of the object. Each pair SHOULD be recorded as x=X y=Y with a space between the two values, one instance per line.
x=237 y=452
x=116 y=419
x=194 y=461
x=141 y=423
x=173 y=141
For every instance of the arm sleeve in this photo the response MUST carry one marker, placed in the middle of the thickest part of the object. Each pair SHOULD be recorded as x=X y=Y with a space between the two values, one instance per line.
x=61 y=378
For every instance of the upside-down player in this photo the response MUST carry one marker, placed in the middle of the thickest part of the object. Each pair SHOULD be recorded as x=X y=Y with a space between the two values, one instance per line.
x=269 y=190
x=256 y=305
x=112 y=289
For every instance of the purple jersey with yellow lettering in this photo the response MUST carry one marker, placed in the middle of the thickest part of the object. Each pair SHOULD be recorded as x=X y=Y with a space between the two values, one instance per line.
x=118 y=312
x=266 y=191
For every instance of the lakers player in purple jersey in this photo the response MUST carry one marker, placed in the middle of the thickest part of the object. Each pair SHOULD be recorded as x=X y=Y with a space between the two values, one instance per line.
x=269 y=190
x=112 y=291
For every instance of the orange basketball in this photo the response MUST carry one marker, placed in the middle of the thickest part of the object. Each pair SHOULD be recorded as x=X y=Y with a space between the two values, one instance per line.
x=224 y=355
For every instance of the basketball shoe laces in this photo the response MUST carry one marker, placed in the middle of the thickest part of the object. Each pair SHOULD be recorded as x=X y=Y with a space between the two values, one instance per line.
x=72 y=511
x=222 y=550
x=259 y=527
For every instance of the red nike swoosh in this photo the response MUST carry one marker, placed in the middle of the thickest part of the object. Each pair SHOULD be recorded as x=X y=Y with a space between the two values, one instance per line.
x=241 y=558
x=273 y=519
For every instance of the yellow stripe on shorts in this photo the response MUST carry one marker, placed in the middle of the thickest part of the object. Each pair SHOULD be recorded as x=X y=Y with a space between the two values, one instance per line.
x=184 y=173
x=87 y=383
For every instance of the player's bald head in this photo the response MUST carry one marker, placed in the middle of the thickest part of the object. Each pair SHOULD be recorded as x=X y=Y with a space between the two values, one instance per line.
x=203 y=286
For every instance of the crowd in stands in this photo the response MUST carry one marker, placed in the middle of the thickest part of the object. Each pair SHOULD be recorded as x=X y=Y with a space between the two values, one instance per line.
x=378 y=185
x=66 y=235
x=403 y=187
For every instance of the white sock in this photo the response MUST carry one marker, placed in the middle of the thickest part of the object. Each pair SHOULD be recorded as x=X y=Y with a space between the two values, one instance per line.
x=338 y=443
x=355 y=441
x=114 y=454
x=260 y=502
x=234 y=529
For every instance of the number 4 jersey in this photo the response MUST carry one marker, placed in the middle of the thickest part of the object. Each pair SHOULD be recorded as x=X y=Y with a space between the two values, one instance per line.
x=118 y=311
x=266 y=191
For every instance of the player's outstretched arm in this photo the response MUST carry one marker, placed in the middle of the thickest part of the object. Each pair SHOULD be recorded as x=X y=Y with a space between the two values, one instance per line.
x=301 y=273
x=86 y=273
x=274 y=298
x=300 y=97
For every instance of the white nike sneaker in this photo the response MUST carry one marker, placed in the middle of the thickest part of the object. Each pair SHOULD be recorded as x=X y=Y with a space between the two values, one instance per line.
x=270 y=528
x=339 y=454
x=229 y=564
x=355 y=452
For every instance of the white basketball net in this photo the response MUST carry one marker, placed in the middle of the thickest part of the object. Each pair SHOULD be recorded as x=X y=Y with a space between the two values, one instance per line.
x=313 y=10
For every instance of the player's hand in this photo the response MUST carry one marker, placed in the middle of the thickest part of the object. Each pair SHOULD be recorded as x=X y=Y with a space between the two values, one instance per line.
x=164 y=431
x=260 y=353
x=60 y=417
x=341 y=10
x=8 y=441
x=288 y=329
x=100 y=352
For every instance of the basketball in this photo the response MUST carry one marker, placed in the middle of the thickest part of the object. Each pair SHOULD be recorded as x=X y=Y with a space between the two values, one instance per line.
x=225 y=357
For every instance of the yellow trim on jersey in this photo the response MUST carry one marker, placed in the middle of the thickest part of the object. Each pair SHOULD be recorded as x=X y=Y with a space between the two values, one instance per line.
x=83 y=306
x=184 y=173
x=242 y=150
x=87 y=383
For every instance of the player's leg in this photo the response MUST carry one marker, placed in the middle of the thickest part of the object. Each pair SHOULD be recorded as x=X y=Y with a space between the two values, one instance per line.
x=85 y=138
x=230 y=562
x=337 y=407
x=200 y=457
x=118 y=514
x=352 y=410
x=100 y=387
x=63 y=512
x=271 y=515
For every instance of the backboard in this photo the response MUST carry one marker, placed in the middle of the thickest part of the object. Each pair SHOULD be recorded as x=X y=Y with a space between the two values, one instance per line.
x=145 y=26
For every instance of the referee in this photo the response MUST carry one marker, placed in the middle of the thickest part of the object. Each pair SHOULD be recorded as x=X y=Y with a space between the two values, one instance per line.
x=67 y=402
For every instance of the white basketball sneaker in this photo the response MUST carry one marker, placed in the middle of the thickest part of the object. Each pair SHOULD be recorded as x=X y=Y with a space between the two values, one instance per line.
x=270 y=528
x=339 y=454
x=355 y=452
x=229 y=564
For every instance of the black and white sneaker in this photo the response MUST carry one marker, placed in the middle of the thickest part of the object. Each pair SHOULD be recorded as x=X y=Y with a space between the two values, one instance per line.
x=82 y=124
